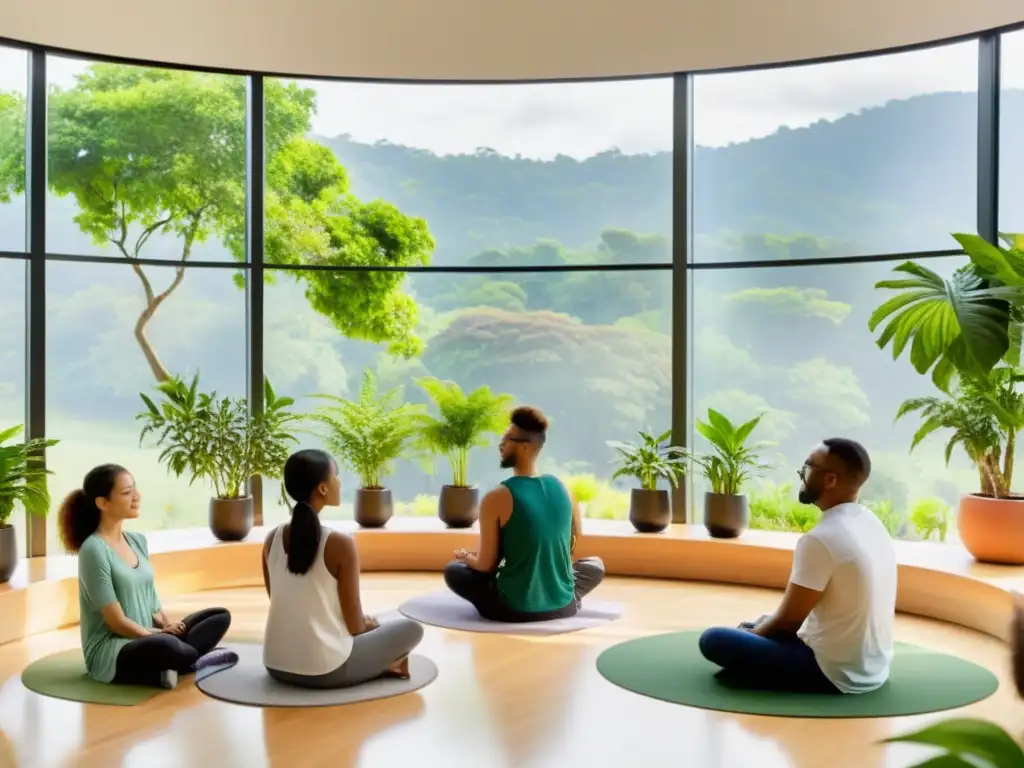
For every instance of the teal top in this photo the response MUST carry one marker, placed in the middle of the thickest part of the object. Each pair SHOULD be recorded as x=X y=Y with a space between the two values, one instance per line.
x=103 y=578
x=536 y=573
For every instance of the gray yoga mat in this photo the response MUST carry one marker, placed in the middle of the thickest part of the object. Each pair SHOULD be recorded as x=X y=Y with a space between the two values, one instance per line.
x=448 y=610
x=247 y=682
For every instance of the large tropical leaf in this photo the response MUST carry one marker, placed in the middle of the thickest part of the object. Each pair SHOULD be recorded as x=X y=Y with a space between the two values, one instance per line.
x=981 y=742
x=957 y=325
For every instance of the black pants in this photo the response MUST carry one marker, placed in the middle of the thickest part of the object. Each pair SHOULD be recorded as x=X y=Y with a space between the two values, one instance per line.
x=142 y=660
x=481 y=589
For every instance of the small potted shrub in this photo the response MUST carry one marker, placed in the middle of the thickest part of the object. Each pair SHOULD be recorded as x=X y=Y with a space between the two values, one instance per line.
x=730 y=464
x=983 y=416
x=214 y=439
x=462 y=422
x=369 y=434
x=22 y=482
x=650 y=508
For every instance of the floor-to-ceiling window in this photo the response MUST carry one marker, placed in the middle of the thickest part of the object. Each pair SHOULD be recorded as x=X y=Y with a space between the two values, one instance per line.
x=537 y=179
x=516 y=238
x=794 y=168
x=146 y=172
x=1011 y=148
x=13 y=89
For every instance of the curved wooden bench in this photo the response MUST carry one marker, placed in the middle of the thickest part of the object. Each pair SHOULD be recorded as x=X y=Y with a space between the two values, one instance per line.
x=935 y=581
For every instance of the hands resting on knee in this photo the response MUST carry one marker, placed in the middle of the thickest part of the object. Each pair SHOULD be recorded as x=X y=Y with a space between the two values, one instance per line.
x=749 y=626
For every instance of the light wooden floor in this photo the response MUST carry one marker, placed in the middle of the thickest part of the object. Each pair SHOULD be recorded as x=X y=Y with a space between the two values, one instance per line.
x=499 y=701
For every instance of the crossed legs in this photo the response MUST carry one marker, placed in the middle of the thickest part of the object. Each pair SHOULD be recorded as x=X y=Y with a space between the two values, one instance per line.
x=776 y=663
x=143 y=660
x=481 y=590
x=373 y=655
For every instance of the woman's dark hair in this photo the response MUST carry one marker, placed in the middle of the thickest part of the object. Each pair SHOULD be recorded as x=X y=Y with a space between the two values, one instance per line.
x=79 y=517
x=303 y=472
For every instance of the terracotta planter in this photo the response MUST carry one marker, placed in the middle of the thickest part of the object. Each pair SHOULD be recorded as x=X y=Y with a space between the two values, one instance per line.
x=373 y=507
x=231 y=519
x=991 y=529
x=458 y=507
x=725 y=516
x=649 y=511
x=8 y=553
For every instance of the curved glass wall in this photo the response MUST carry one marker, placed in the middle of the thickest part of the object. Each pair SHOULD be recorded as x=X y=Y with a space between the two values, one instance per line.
x=1011 y=149
x=530 y=239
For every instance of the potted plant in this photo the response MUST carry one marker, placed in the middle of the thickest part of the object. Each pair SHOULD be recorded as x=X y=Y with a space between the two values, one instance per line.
x=462 y=422
x=961 y=330
x=369 y=434
x=650 y=509
x=215 y=439
x=984 y=415
x=22 y=481
x=727 y=468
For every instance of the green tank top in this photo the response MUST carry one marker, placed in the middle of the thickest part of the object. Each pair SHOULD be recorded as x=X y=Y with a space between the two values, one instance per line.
x=535 y=575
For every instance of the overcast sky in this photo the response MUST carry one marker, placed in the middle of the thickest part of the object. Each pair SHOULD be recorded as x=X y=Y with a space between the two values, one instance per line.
x=582 y=119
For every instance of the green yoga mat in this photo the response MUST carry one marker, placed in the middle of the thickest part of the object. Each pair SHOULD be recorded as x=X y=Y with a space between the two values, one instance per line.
x=670 y=667
x=63 y=676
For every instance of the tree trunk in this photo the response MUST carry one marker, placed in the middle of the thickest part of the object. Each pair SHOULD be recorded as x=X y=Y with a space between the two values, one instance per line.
x=159 y=372
x=153 y=302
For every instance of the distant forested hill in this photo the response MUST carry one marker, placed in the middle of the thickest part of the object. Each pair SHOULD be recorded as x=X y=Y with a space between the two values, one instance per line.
x=890 y=178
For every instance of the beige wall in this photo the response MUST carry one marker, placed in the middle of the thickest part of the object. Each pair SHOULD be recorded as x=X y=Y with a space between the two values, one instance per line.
x=491 y=39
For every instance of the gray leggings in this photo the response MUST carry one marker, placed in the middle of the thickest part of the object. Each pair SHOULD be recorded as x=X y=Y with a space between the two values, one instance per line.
x=372 y=653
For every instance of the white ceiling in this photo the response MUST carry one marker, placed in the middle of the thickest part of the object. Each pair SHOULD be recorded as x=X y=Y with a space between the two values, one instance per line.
x=491 y=39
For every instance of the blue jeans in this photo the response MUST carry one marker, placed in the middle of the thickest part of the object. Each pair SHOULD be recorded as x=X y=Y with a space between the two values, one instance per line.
x=751 y=661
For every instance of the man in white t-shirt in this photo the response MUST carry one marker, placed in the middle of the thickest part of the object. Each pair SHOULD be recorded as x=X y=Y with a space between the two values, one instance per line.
x=833 y=631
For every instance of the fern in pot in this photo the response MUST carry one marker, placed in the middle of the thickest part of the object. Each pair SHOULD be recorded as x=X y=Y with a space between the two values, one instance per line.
x=651 y=460
x=462 y=422
x=727 y=467
x=22 y=483
x=214 y=439
x=369 y=434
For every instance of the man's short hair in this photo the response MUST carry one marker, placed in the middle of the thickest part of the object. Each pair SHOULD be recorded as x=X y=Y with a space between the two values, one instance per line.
x=530 y=420
x=852 y=456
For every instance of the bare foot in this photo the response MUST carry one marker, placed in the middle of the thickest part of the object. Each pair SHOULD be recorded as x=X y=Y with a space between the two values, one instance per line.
x=400 y=668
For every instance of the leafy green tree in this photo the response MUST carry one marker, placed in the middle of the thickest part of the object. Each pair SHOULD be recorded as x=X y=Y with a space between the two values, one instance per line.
x=155 y=154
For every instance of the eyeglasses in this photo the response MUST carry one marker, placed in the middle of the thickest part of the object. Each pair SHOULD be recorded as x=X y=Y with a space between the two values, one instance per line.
x=515 y=440
x=808 y=467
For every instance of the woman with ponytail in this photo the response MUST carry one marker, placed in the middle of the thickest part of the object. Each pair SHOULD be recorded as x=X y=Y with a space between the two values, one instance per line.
x=126 y=636
x=317 y=635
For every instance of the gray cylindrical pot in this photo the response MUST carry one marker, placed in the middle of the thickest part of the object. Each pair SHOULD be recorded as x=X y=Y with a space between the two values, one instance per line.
x=650 y=511
x=373 y=507
x=458 y=507
x=231 y=519
x=726 y=516
x=8 y=553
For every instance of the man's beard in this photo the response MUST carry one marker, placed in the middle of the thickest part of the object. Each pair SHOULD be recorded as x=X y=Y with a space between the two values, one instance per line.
x=507 y=462
x=808 y=495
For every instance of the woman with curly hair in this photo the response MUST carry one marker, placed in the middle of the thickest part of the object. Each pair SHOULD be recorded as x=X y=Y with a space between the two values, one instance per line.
x=126 y=637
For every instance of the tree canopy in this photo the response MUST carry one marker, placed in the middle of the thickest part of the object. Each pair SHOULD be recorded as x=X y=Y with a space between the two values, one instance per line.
x=160 y=155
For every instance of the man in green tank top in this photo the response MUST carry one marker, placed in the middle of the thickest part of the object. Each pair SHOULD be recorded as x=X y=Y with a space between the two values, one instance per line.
x=529 y=527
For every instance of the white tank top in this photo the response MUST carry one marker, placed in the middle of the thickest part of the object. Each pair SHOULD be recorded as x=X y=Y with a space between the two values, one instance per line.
x=306 y=633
